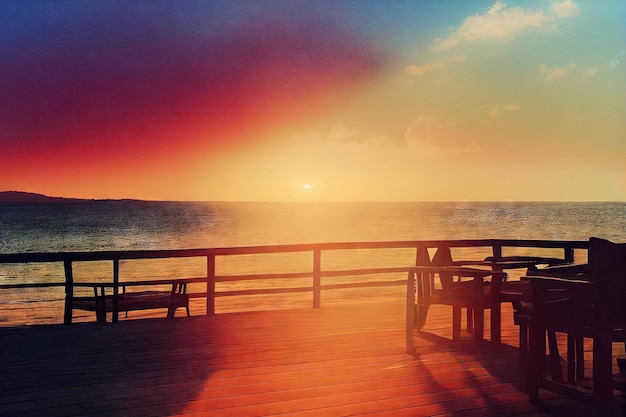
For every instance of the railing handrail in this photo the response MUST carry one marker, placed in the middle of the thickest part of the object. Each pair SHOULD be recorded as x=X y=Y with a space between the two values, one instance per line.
x=316 y=272
x=297 y=247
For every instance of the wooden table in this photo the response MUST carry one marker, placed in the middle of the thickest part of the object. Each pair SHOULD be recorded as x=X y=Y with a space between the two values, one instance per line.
x=495 y=266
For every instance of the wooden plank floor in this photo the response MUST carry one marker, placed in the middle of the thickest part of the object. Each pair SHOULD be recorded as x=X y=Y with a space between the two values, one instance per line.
x=339 y=360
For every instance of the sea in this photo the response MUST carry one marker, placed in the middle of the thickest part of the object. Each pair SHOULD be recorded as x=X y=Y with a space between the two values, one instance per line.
x=139 y=225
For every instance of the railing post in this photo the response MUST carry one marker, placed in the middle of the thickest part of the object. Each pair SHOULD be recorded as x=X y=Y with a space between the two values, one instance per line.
x=497 y=250
x=69 y=291
x=569 y=254
x=210 y=285
x=317 y=279
x=116 y=291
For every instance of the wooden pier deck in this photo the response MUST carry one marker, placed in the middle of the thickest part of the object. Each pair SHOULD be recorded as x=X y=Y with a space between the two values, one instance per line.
x=339 y=360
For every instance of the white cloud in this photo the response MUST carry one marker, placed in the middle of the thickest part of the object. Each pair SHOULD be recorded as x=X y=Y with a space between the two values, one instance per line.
x=378 y=140
x=495 y=111
x=617 y=59
x=502 y=22
x=433 y=66
x=589 y=73
x=423 y=69
x=430 y=130
x=549 y=74
x=338 y=136
x=455 y=58
x=305 y=137
x=565 y=9
x=340 y=133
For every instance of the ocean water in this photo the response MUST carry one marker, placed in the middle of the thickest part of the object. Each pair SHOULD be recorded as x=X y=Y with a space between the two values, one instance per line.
x=121 y=225
x=137 y=225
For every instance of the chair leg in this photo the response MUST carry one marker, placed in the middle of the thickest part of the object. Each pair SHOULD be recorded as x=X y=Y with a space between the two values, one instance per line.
x=555 y=358
x=571 y=358
x=580 y=358
x=470 y=320
x=456 y=323
x=479 y=324
x=523 y=347
x=602 y=374
x=421 y=311
x=536 y=362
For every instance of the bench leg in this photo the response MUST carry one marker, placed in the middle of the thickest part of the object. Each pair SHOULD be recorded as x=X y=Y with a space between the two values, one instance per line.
x=171 y=310
x=101 y=310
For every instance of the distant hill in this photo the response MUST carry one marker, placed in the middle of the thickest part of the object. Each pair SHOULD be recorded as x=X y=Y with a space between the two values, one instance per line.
x=24 y=197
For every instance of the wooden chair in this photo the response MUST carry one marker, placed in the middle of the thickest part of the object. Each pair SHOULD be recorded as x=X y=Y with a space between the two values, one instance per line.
x=593 y=308
x=519 y=293
x=440 y=282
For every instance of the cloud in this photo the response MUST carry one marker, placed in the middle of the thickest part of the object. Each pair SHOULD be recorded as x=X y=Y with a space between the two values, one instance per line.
x=589 y=73
x=549 y=74
x=565 y=9
x=430 y=130
x=378 y=140
x=423 y=69
x=502 y=22
x=617 y=59
x=495 y=111
x=341 y=134
x=337 y=137
x=433 y=66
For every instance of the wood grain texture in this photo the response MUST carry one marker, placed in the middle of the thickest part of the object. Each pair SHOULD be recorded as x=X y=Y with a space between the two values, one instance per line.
x=339 y=360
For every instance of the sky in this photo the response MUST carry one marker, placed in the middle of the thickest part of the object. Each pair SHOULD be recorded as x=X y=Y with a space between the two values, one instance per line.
x=318 y=100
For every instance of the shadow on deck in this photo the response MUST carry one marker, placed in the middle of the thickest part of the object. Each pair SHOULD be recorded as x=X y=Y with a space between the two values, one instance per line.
x=335 y=361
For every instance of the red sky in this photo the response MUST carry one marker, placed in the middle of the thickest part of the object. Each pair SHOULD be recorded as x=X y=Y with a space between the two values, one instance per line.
x=359 y=100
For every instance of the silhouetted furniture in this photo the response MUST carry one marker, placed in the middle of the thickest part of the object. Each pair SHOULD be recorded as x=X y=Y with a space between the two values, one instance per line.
x=592 y=307
x=519 y=293
x=460 y=288
x=440 y=282
x=428 y=293
x=443 y=280
x=103 y=303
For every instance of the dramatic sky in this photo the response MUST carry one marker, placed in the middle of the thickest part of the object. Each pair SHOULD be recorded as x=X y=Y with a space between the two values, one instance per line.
x=387 y=100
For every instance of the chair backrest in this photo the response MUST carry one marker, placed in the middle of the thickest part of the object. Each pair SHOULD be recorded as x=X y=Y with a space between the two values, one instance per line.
x=443 y=257
x=607 y=268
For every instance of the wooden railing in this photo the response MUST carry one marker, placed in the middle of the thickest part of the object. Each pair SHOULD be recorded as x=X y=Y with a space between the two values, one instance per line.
x=495 y=247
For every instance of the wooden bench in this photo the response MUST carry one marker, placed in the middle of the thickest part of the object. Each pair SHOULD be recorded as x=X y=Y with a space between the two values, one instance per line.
x=101 y=303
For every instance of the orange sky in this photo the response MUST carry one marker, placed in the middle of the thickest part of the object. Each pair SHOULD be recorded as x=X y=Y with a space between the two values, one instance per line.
x=366 y=100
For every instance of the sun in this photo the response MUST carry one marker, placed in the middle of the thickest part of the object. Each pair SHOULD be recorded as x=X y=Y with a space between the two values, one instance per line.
x=307 y=186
